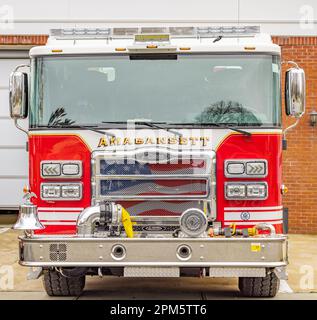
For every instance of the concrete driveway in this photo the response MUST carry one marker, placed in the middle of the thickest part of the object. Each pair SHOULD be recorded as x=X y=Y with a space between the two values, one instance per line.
x=302 y=283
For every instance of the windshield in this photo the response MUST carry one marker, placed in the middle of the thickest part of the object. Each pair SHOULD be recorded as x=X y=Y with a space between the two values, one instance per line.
x=243 y=90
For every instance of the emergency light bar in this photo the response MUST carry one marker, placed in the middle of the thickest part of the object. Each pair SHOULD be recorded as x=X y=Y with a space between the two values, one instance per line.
x=133 y=32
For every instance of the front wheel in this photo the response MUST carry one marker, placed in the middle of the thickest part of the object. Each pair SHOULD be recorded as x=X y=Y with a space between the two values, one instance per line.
x=55 y=284
x=267 y=286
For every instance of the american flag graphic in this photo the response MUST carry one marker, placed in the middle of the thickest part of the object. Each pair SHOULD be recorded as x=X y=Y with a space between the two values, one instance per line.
x=154 y=187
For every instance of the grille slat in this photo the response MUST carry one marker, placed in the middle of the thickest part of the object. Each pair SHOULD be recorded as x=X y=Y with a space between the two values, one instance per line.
x=152 y=176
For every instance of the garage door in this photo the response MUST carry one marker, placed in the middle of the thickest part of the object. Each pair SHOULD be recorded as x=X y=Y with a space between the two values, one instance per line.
x=13 y=155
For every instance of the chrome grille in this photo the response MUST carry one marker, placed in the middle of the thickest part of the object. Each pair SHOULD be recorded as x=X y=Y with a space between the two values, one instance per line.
x=153 y=188
x=145 y=174
x=162 y=208
x=125 y=167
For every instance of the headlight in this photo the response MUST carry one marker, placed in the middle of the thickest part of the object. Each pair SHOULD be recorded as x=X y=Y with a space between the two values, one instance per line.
x=234 y=168
x=50 y=192
x=246 y=168
x=71 y=169
x=193 y=222
x=51 y=169
x=257 y=191
x=71 y=191
x=246 y=190
x=61 y=191
x=61 y=169
x=235 y=191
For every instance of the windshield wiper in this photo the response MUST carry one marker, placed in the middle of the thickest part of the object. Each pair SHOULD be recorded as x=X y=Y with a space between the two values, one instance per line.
x=146 y=122
x=88 y=127
x=218 y=39
x=219 y=125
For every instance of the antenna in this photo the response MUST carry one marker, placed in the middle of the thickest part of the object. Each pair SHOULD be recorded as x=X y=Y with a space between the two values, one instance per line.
x=238 y=17
x=238 y=12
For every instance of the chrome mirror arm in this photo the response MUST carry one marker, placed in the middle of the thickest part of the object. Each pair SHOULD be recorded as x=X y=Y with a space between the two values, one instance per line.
x=16 y=120
x=290 y=62
x=21 y=66
x=292 y=126
x=19 y=127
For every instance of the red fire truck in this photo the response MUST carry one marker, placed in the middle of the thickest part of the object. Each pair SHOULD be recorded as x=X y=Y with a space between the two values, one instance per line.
x=155 y=152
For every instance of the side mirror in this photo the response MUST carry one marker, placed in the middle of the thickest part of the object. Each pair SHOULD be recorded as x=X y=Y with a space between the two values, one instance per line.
x=295 y=92
x=18 y=96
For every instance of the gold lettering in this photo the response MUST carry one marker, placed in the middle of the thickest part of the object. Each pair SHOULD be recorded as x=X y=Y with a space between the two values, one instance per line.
x=102 y=142
x=149 y=140
x=204 y=140
x=114 y=141
x=172 y=140
x=161 y=140
x=183 y=140
x=139 y=141
x=126 y=141
x=193 y=140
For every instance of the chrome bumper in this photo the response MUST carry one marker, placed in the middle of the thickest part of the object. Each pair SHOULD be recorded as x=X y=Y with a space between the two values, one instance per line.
x=256 y=252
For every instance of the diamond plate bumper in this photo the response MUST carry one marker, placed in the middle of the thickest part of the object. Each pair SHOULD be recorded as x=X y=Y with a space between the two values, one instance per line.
x=260 y=252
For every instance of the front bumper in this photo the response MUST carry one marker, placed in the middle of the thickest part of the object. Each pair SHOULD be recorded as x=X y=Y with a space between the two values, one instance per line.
x=253 y=252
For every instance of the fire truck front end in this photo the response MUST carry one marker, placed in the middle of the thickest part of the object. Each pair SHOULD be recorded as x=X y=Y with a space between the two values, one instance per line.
x=155 y=152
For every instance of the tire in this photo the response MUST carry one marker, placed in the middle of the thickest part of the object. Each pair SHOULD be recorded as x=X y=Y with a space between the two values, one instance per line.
x=55 y=284
x=266 y=287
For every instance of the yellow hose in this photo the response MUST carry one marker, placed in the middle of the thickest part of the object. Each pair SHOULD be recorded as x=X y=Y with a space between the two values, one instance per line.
x=127 y=223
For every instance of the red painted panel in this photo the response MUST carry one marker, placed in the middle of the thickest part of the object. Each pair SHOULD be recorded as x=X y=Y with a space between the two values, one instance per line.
x=235 y=146
x=58 y=147
x=258 y=146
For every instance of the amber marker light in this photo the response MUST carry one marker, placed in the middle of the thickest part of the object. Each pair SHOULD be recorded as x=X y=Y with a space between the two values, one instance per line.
x=26 y=189
x=284 y=189
x=121 y=49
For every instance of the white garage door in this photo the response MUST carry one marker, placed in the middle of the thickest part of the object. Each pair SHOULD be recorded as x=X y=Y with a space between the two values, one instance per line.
x=13 y=155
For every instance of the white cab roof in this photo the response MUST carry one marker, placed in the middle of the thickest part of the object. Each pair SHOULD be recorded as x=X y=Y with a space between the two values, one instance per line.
x=256 y=43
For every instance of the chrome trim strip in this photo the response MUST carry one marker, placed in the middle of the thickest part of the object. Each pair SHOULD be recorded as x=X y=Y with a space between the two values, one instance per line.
x=75 y=238
x=214 y=187
x=155 y=264
x=153 y=177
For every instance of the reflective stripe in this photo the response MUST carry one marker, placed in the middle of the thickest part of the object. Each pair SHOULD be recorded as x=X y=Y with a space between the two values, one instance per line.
x=55 y=216
x=256 y=215
x=59 y=209
x=58 y=223
x=251 y=224
x=252 y=208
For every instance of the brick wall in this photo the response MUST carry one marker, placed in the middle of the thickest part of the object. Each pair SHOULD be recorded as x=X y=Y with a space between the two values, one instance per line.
x=25 y=40
x=300 y=160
